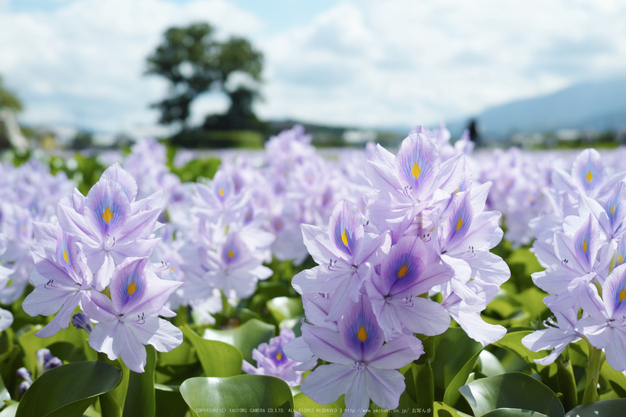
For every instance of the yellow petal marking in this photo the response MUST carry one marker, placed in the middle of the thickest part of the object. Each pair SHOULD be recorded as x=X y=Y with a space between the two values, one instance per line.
x=416 y=170
x=344 y=237
x=622 y=295
x=620 y=259
x=362 y=334
x=131 y=288
x=589 y=176
x=67 y=260
x=279 y=356
x=585 y=245
x=613 y=210
x=459 y=223
x=231 y=253
x=402 y=271
x=221 y=192
x=107 y=215
x=172 y=268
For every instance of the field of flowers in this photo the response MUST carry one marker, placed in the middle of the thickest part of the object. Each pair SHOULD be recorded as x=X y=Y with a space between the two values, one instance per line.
x=434 y=280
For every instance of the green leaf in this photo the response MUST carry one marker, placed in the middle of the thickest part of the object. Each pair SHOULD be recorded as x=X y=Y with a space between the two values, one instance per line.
x=514 y=390
x=489 y=365
x=283 y=308
x=608 y=408
x=513 y=412
x=10 y=411
x=444 y=410
x=246 y=337
x=169 y=402
x=452 y=394
x=513 y=342
x=112 y=402
x=68 y=390
x=309 y=408
x=31 y=344
x=242 y=395
x=140 y=400
x=616 y=380
x=453 y=350
x=4 y=394
x=218 y=359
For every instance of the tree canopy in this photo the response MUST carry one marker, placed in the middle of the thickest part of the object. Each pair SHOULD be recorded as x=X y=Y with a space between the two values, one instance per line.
x=8 y=100
x=194 y=62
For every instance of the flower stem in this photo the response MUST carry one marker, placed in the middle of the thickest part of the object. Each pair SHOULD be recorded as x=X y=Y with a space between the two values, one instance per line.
x=566 y=381
x=596 y=357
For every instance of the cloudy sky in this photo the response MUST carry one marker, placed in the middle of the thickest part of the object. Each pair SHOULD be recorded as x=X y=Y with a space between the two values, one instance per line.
x=360 y=63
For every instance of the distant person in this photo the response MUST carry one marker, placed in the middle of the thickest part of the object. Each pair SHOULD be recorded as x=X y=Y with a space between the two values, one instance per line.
x=473 y=132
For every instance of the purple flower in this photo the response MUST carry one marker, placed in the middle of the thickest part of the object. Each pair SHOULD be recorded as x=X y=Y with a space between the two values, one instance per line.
x=362 y=367
x=110 y=225
x=271 y=360
x=129 y=319
x=411 y=269
x=64 y=280
x=557 y=336
x=346 y=255
x=606 y=325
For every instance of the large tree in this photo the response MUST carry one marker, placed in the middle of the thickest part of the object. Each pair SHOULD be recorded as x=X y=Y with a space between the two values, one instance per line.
x=8 y=100
x=194 y=63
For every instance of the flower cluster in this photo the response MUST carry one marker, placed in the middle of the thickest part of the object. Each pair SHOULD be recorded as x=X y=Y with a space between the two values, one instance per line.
x=423 y=231
x=271 y=360
x=248 y=213
x=102 y=244
x=28 y=194
x=582 y=245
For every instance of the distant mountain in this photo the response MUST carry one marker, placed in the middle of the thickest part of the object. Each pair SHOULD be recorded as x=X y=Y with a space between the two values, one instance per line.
x=593 y=105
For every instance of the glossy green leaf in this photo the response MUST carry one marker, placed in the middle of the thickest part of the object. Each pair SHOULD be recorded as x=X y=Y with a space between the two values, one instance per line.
x=514 y=390
x=488 y=364
x=242 y=395
x=453 y=350
x=218 y=359
x=68 y=390
x=10 y=411
x=444 y=410
x=283 y=308
x=608 y=408
x=513 y=342
x=452 y=394
x=140 y=400
x=178 y=365
x=309 y=408
x=246 y=337
x=514 y=412
x=112 y=402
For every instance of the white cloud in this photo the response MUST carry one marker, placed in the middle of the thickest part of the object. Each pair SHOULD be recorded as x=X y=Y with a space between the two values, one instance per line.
x=406 y=62
x=360 y=63
x=89 y=57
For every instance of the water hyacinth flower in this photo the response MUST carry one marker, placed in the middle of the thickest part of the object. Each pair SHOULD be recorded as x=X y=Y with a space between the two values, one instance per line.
x=410 y=269
x=271 y=360
x=109 y=223
x=129 y=319
x=63 y=281
x=605 y=327
x=362 y=367
x=346 y=256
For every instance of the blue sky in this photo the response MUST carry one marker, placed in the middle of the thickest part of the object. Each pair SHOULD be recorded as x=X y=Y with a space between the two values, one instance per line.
x=342 y=62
